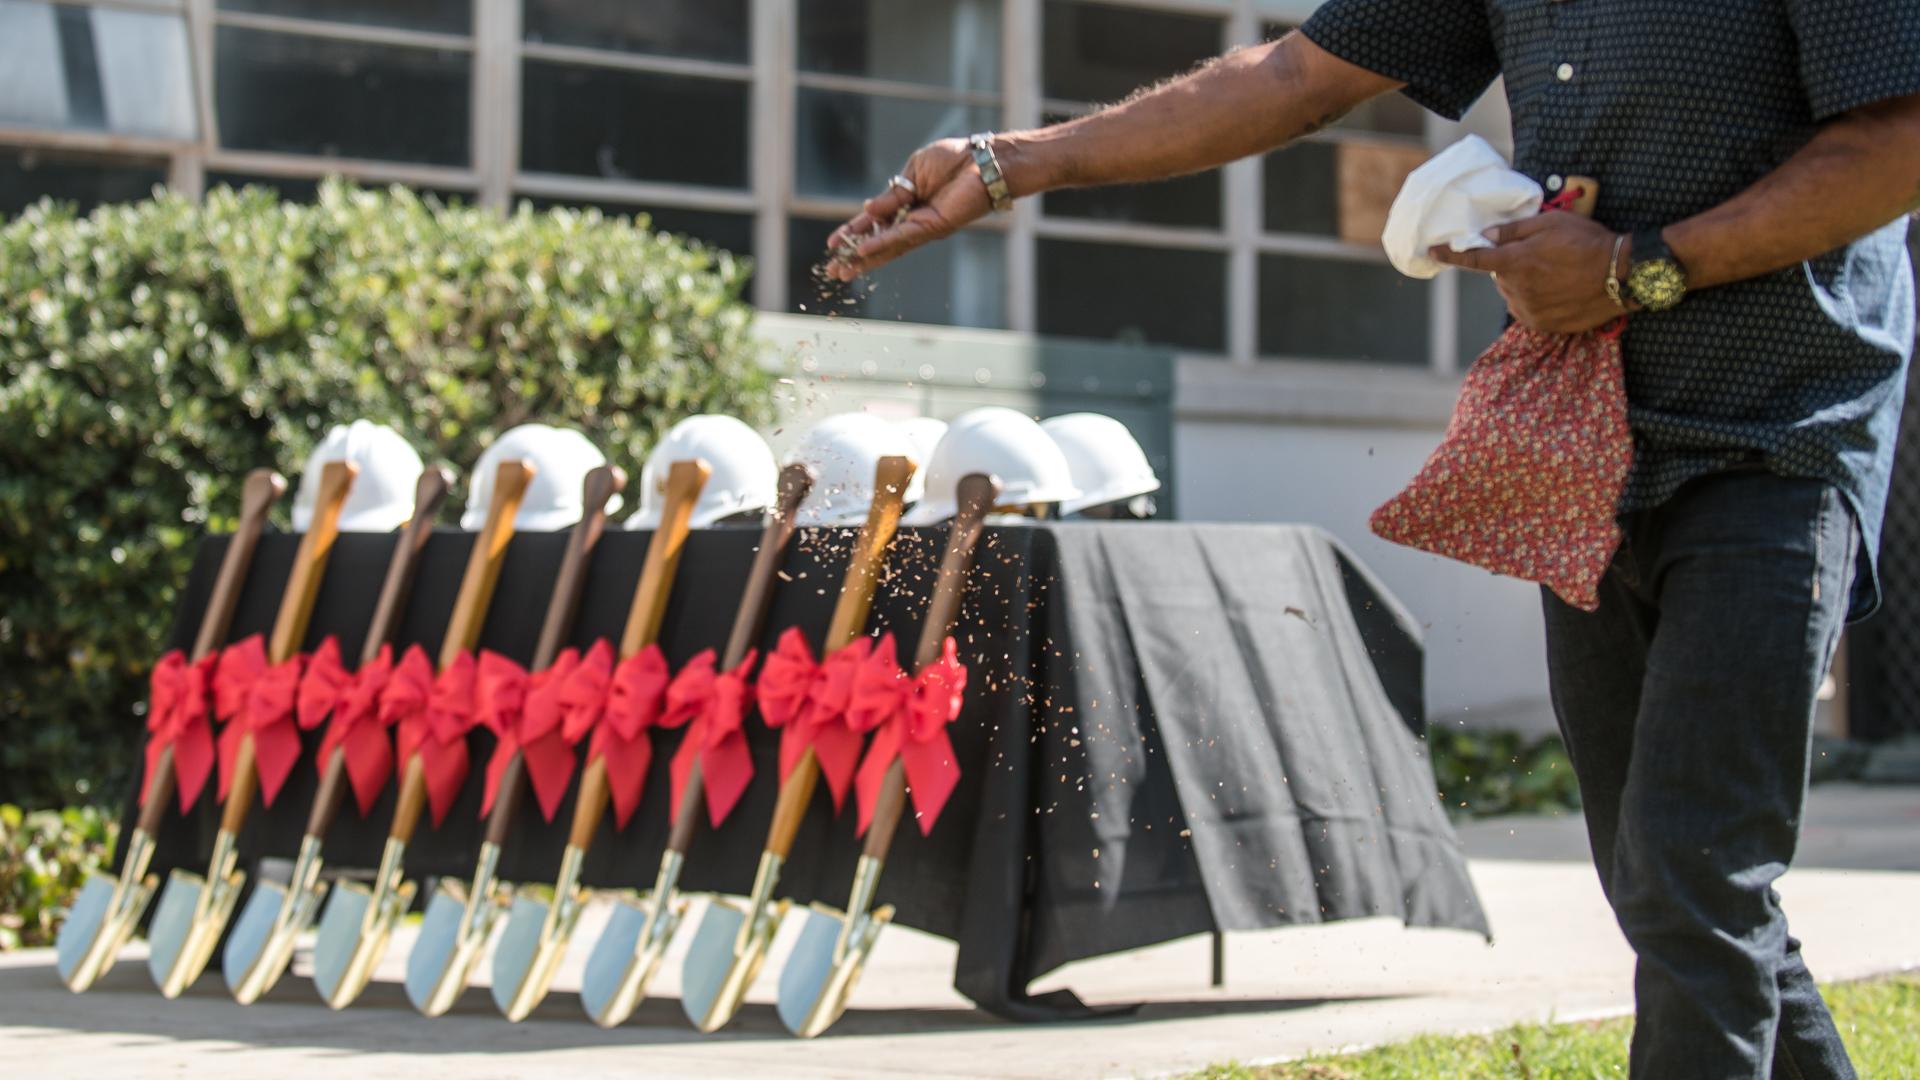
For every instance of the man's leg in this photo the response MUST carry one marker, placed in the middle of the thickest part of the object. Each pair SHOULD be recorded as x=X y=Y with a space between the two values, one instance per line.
x=1596 y=661
x=1750 y=573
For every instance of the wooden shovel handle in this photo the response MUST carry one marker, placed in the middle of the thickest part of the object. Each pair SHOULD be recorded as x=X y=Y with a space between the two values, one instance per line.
x=483 y=566
x=849 y=618
x=290 y=623
x=469 y=615
x=751 y=617
x=977 y=494
x=428 y=495
x=310 y=562
x=685 y=479
x=601 y=485
x=262 y=489
x=890 y=478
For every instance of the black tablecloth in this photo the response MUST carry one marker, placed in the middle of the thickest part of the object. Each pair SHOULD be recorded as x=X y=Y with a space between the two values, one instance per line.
x=1169 y=729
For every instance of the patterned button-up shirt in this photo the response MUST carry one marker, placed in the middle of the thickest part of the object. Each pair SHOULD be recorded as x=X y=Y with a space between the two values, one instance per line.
x=1673 y=107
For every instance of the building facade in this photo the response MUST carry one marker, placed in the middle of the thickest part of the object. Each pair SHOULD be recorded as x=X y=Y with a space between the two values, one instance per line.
x=1244 y=322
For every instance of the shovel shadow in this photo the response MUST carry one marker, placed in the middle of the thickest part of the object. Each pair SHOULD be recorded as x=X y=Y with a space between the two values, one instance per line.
x=124 y=1002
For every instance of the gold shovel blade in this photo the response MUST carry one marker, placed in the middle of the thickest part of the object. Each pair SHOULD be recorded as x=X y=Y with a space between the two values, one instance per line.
x=818 y=976
x=187 y=925
x=720 y=967
x=625 y=958
x=353 y=935
x=97 y=926
x=263 y=939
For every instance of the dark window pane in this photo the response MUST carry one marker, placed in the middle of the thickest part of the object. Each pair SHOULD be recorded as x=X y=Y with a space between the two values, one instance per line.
x=847 y=145
x=733 y=232
x=1302 y=189
x=1136 y=294
x=27 y=176
x=951 y=43
x=1340 y=310
x=303 y=189
x=1388 y=114
x=1094 y=52
x=1186 y=200
x=708 y=29
x=439 y=16
x=308 y=95
x=960 y=281
x=633 y=125
x=1483 y=315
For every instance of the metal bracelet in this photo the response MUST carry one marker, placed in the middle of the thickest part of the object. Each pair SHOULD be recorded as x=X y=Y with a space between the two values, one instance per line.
x=1613 y=274
x=997 y=192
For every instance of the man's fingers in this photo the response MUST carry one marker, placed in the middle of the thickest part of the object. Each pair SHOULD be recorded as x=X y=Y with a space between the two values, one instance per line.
x=1485 y=260
x=1519 y=230
x=921 y=226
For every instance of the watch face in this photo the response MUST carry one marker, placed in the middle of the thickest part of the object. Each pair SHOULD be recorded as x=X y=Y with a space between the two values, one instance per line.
x=1658 y=284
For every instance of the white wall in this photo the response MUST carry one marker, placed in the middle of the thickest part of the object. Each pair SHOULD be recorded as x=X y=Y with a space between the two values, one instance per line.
x=1485 y=658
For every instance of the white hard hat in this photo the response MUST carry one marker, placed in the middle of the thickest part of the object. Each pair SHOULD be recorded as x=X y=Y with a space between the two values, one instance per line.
x=925 y=433
x=745 y=478
x=382 y=495
x=1108 y=464
x=561 y=459
x=1005 y=444
x=843 y=452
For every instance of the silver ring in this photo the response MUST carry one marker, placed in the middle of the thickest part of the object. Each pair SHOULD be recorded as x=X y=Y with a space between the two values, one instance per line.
x=904 y=184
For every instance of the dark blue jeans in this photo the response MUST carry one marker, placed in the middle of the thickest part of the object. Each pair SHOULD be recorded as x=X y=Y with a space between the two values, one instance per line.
x=1687 y=704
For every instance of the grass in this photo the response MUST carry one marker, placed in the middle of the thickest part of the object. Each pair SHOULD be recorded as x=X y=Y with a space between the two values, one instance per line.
x=1879 y=1018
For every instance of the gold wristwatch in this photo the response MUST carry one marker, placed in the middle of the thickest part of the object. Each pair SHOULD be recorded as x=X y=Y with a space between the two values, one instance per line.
x=1654 y=277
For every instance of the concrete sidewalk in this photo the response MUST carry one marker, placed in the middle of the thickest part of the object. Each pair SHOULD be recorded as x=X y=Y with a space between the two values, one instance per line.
x=1556 y=954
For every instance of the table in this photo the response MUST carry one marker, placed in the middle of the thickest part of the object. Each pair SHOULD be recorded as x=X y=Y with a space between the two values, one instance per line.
x=1170 y=729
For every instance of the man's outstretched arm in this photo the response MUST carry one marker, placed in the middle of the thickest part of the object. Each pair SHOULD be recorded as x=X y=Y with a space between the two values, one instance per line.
x=1249 y=101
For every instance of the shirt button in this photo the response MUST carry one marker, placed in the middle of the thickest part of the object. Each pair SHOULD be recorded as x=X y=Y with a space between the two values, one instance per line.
x=1564 y=72
x=1555 y=182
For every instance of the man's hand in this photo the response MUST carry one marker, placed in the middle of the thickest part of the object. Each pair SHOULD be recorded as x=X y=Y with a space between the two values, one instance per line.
x=950 y=195
x=1551 y=269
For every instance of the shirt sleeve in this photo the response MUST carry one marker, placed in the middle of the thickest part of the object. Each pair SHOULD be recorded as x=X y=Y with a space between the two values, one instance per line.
x=1856 y=52
x=1442 y=49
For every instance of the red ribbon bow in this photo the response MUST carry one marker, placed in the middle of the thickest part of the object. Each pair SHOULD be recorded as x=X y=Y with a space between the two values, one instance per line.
x=257 y=698
x=618 y=704
x=716 y=703
x=177 y=718
x=909 y=716
x=524 y=711
x=352 y=700
x=807 y=700
x=434 y=714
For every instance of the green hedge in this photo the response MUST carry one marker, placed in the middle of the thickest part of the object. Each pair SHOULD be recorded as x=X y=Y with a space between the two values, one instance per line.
x=152 y=353
x=45 y=856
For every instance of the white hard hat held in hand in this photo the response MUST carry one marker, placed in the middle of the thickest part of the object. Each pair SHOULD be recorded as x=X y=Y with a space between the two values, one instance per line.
x=843 y=451
x=1001 y=443
x=1108 y=465
x=925 y=433
x=382 y=495
x=745 y=479
x=561 y=459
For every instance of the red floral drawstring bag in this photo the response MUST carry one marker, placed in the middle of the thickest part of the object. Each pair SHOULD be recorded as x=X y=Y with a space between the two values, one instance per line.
x=1528 y=477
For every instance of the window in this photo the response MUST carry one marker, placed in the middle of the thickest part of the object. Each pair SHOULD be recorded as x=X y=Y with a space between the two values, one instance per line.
x=1133 y=294
x=87 y=181
x=329 y=98
x=306 y=189
x=1342 y=309
x=707 y=29
x=633 y=125
x=96 y=69
x=439 y=16
x=876 y=80
x=730 y=232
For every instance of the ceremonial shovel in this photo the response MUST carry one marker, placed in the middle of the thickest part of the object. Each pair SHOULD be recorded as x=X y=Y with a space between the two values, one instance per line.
x=357 y=922
x=535 y=939
x=732 y=943
x=457 y=925
x=193 y=910
x=833 y=948
x=108 y=908
x=263 y=937
x=630 y=948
